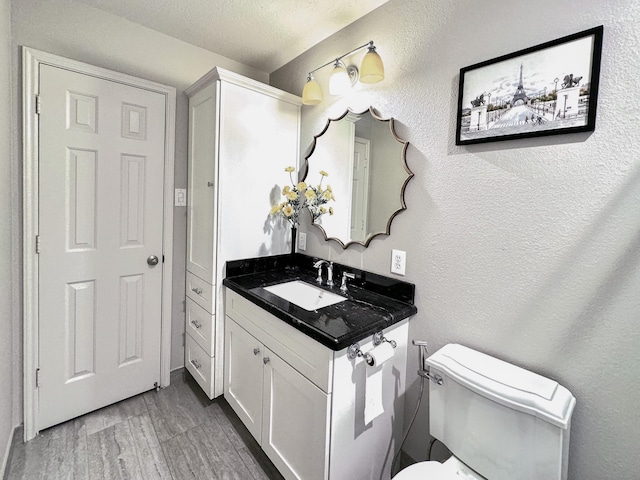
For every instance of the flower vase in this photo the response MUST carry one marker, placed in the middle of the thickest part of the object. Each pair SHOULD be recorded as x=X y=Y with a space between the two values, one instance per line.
x=294 y=232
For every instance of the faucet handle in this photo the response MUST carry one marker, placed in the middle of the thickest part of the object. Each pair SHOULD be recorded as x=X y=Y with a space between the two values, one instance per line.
x=318 y=265
x=345 y=275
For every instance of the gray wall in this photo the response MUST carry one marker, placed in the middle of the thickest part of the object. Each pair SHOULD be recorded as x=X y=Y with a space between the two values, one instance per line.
x=6 y=268
x=527 y=250
x=76 y=31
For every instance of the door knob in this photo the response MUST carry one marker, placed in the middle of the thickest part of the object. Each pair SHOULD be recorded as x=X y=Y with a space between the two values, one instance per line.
x=152 y=260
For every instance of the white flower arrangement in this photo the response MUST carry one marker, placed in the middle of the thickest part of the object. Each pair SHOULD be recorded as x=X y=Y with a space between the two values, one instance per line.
x=300 y=196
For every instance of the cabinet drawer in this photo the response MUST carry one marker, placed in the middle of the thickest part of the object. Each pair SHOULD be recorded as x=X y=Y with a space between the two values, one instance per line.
x=200 y=292
x=307 y=356
x=199 y=363
x=199 y=324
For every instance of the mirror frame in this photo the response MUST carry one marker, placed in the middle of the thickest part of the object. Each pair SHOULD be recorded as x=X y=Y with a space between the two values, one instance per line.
x=403 y=158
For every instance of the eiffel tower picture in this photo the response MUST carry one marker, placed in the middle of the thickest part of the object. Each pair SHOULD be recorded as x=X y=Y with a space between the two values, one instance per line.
x=495 y=103
x=520 y=97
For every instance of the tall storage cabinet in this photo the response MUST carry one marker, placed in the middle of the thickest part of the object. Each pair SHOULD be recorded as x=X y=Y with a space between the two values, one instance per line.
x=242 y=135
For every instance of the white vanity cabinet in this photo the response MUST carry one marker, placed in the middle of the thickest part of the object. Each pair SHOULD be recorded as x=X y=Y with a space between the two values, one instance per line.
x=303 y=402
x=242 y=136
x=283 y=410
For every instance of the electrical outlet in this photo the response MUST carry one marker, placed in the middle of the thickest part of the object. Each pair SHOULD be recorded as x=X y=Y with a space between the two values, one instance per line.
x=398 y=261
x=302 y=241
x=181 y=197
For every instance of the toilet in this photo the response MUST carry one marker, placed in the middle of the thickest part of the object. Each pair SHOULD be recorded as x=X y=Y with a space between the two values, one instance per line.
x=500 y=421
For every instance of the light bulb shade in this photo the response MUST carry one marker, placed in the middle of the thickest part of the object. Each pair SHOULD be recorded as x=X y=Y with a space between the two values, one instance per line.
x=339 y=81
x=372 y=69
x=311 y=93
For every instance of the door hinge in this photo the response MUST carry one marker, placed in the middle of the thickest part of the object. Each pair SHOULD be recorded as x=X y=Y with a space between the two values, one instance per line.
x=37 y=378
x=37 y=243
x=38 y=105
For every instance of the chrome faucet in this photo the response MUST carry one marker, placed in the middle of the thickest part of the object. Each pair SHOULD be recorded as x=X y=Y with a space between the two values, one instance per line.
x=329 y=265
x=345 y=275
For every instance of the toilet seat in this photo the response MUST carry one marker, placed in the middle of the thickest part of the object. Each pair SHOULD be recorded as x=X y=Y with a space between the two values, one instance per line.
x=452 y=469
x=427 y=471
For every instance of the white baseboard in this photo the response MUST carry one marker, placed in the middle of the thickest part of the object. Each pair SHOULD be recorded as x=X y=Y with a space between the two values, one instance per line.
x=7 y=454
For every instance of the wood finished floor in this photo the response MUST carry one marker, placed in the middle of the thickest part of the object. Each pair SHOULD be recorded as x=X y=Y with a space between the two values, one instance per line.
x=176 y=433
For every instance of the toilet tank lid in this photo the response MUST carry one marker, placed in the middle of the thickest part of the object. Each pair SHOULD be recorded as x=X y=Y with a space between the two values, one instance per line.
x=505 y=383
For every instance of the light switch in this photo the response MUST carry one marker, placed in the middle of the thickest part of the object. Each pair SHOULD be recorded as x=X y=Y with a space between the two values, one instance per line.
x=302 y=241
x=181 y=197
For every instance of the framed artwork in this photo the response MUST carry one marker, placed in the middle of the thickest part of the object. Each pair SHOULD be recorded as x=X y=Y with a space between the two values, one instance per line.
x=548 y=89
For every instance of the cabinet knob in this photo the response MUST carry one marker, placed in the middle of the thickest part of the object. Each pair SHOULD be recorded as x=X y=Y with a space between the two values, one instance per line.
x=196 y=324
x=265 y=360
x=256 y=351
x=209 y=184
x=197 y=290
x=196 y=364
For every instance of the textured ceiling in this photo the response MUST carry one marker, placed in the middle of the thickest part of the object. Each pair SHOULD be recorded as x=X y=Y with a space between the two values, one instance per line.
x=264 y=34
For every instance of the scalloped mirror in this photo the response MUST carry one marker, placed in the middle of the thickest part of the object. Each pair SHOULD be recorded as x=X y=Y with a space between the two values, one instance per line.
x=368 y=172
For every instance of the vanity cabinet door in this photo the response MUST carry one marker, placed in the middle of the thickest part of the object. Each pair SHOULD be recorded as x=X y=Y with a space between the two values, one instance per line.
x=243 y=376
x=295 y=422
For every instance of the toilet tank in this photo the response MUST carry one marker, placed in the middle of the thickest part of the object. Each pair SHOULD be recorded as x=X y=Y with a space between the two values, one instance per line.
x=501 y=420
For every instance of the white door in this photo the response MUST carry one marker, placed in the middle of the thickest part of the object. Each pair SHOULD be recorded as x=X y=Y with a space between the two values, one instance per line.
x=335 y=150
x=360 y=197
x=102 y=147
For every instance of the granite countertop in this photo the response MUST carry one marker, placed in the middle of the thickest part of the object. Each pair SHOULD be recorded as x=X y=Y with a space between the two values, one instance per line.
x=374 y=302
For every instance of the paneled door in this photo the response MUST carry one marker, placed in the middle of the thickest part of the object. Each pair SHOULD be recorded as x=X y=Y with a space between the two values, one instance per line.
x=102 y=148
x=243 y=376
x=360 y=191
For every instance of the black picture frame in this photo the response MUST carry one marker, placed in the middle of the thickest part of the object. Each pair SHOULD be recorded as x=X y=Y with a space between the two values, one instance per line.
x=549 y=89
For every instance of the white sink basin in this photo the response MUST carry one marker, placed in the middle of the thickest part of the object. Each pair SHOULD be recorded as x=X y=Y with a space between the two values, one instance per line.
x=304 y=295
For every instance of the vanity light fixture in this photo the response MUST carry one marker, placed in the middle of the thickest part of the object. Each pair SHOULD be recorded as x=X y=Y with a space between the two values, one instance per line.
x=340 y=80
x=311 y=93
x=343 y=77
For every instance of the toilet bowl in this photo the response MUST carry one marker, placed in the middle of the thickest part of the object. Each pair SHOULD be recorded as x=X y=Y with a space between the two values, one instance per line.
x=452 y=469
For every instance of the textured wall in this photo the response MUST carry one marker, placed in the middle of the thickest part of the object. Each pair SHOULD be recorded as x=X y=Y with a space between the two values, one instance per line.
x=528 y=250
x=6 y=320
